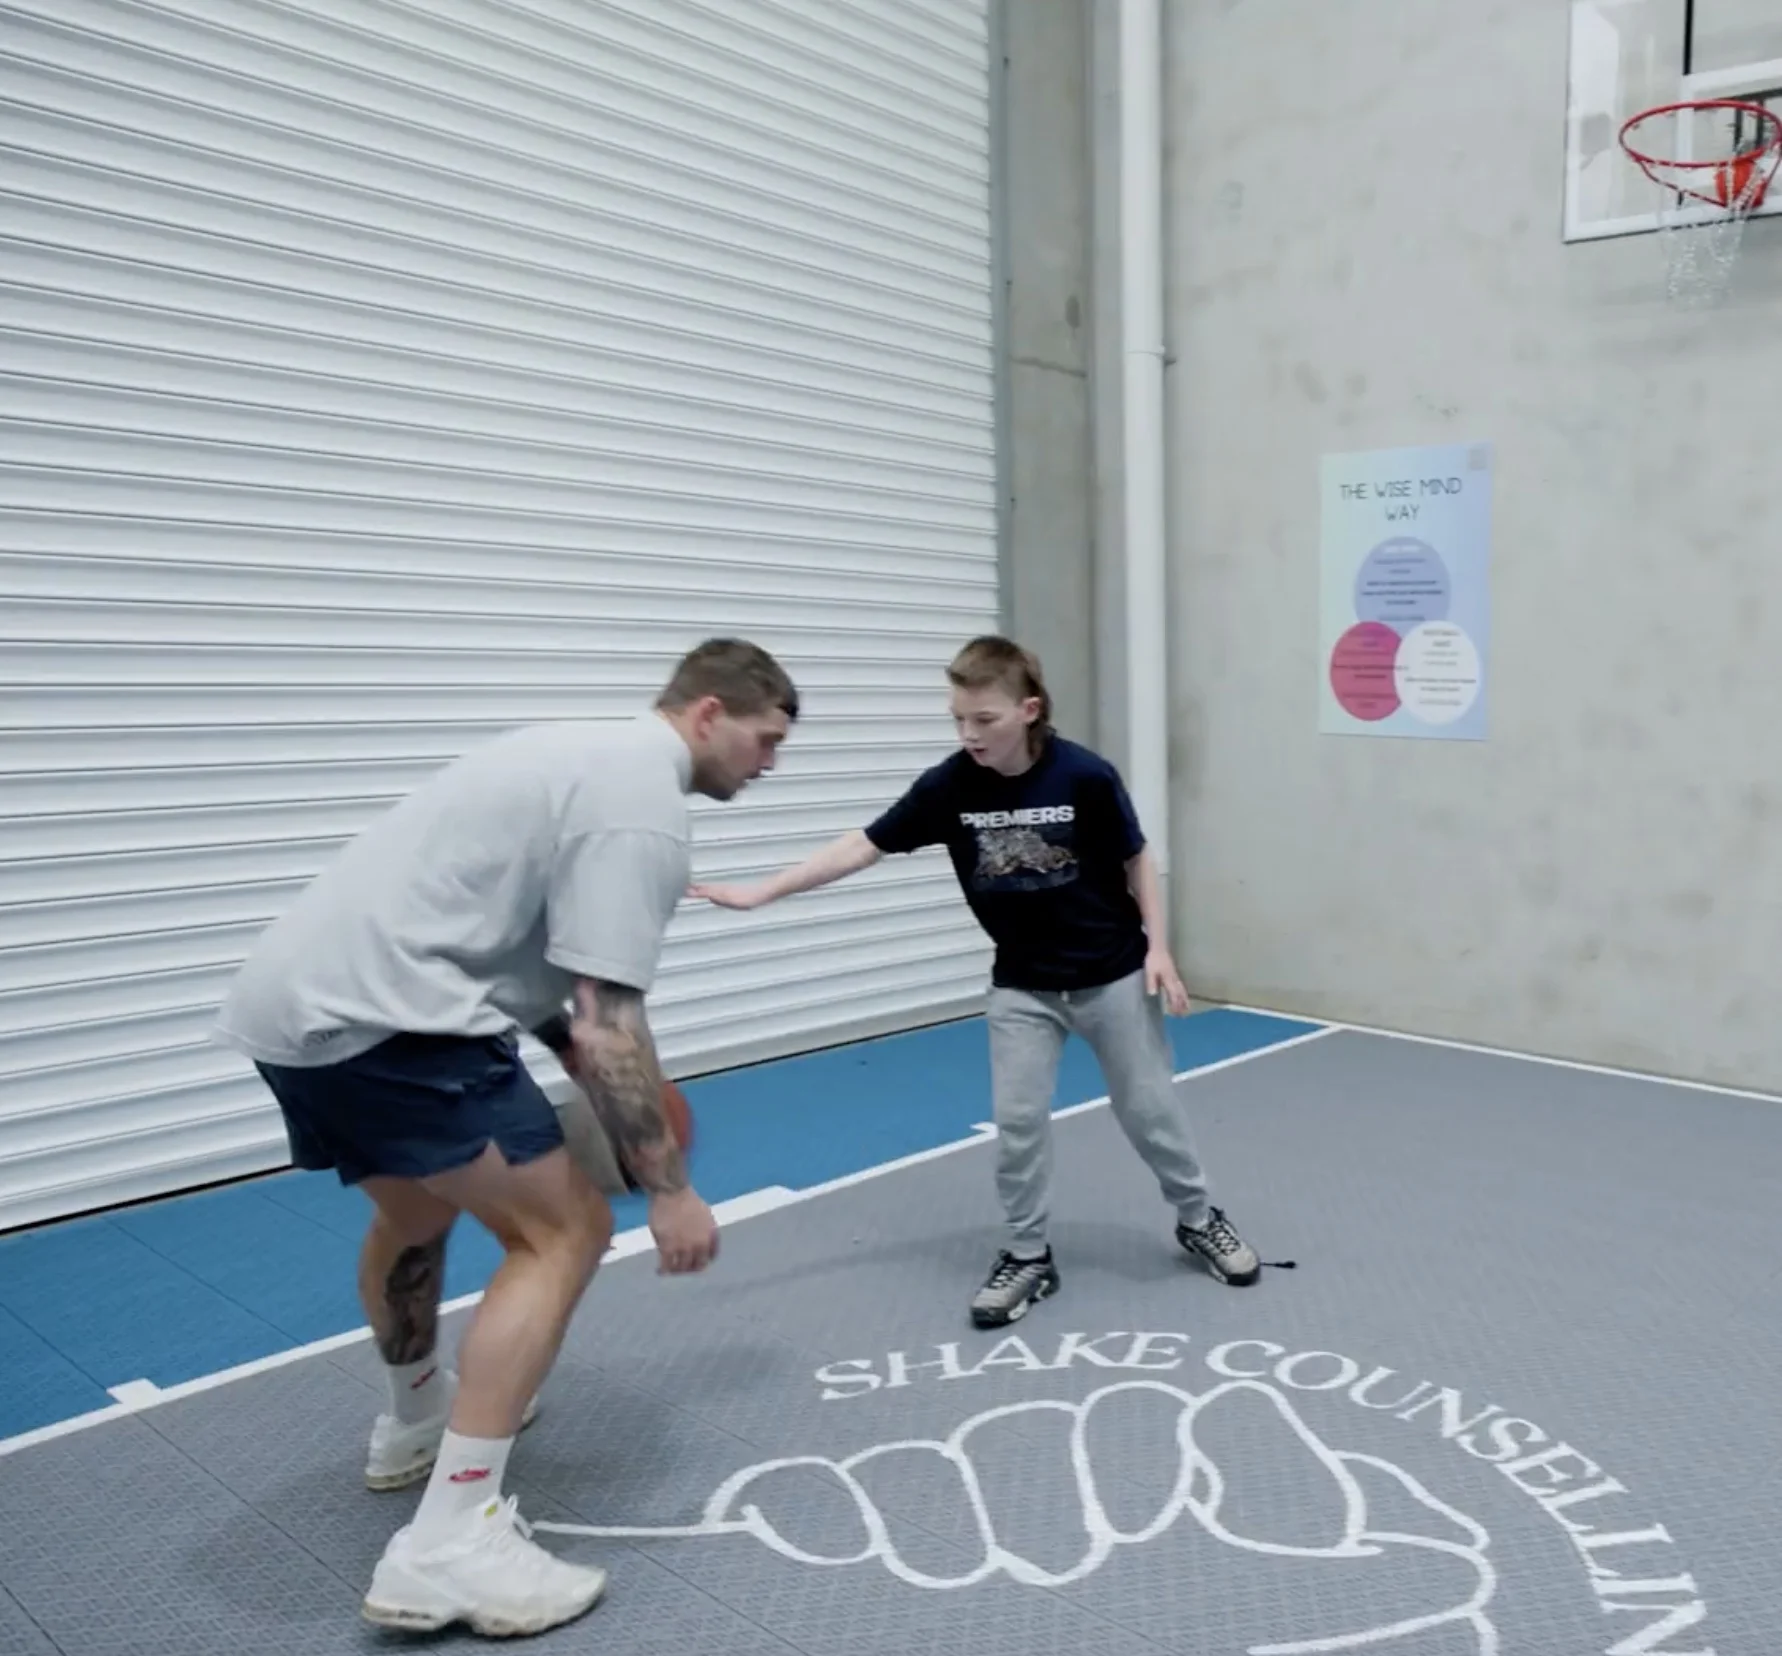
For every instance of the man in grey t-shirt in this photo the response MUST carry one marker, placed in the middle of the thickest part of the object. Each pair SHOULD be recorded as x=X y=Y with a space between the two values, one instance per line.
x=534 y=875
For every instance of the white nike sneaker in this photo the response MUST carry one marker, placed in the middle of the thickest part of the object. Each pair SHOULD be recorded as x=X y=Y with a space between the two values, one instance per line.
x=491 y=1573
x=402 y=1453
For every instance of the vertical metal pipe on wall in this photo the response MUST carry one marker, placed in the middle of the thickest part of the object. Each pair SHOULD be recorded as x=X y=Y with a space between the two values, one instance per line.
x=1141 y=323
x=1001 y=279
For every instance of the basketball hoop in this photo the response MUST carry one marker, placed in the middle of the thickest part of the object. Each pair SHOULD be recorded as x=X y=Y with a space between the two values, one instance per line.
x=1713 y=187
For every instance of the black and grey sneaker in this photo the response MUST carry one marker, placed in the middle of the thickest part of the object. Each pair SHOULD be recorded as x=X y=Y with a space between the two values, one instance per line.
x=1012 y=1287
x=1219 y=1247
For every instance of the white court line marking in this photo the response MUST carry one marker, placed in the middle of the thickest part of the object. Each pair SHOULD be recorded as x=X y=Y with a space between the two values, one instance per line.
x=65 y=1428
x=135 y=1396
x=985 y=1132
x=731 y=1212
x=810 y=1192
x=987 y=1129
x=1337 y=1026
x=1218 y=1064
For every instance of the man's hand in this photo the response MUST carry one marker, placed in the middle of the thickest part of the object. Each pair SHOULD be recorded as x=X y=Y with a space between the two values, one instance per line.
x=733 y=896
x=686 y=1233
x=1161 y=977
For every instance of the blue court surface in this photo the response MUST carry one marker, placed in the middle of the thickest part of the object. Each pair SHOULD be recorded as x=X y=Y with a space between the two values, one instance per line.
x=175 y=1290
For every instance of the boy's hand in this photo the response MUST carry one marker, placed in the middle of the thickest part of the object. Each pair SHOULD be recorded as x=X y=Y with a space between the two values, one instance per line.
x=1162 y=978
x=732 y=896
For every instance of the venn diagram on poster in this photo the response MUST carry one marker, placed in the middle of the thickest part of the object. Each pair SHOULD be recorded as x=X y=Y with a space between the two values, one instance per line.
x=1403 y=650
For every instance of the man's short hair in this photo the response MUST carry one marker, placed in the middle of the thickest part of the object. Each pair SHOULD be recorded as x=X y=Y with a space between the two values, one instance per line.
x=743 y=676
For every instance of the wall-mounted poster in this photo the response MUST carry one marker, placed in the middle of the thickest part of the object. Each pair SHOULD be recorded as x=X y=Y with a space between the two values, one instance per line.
x=1405 y=601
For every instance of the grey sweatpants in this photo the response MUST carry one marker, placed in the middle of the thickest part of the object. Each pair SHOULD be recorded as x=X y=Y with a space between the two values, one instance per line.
x=1124 y=1027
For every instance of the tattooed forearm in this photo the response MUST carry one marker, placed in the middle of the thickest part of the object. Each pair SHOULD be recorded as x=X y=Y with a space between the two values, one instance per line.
x=411 y=1303
x=617 y=1065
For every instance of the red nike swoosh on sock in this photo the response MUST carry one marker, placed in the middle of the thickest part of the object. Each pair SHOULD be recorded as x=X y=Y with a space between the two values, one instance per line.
x=475 y=1474
x=416 y=1385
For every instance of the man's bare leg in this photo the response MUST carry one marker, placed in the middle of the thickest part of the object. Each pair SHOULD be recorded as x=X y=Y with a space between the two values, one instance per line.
x=461 y=1557
x=401 y=1278
x=554 y=1228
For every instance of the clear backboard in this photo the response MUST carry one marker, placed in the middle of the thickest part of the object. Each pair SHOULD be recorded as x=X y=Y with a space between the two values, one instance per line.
x=1630 y=55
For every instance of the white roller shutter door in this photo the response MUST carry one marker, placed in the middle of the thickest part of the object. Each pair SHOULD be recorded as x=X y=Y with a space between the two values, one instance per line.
x=378 y=376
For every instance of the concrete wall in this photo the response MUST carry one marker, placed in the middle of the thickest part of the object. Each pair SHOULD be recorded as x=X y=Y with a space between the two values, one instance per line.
x=1045 y=202
x=1364 y=252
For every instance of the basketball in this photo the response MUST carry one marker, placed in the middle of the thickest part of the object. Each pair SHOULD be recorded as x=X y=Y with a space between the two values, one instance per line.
x=678 y=1113
x=593 y=1152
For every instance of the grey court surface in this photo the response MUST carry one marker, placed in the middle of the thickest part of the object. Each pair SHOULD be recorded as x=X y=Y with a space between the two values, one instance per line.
x=1520 y=1395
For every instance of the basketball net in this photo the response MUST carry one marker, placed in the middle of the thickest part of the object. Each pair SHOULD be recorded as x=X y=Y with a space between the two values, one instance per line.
x=1715 y=160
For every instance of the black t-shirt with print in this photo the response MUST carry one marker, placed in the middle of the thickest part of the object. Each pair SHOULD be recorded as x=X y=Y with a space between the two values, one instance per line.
x=1041 y=859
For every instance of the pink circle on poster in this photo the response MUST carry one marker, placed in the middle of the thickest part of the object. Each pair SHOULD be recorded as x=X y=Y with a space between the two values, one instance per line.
x=1361 y=671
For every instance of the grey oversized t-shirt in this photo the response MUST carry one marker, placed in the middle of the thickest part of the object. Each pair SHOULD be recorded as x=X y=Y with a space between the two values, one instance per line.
x=551 y=852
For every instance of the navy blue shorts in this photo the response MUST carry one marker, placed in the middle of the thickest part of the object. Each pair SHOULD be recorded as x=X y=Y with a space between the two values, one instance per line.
x=415 y=1106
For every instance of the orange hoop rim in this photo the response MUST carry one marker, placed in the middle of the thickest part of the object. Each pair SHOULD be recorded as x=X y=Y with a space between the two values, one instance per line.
x=1764 y=117
x=1740 y=191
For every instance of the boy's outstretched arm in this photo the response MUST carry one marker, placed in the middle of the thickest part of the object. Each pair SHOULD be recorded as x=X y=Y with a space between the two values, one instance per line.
x=847 y=855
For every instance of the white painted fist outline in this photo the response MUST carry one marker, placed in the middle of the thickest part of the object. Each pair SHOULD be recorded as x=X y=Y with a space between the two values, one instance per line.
x=1199 y=1492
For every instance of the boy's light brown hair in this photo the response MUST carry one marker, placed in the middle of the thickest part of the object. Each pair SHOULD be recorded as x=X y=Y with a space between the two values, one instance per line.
x=995 y=662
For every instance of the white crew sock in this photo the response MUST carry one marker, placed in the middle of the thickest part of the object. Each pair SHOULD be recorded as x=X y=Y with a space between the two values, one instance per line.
x=417 y=1390
x=466 y=1476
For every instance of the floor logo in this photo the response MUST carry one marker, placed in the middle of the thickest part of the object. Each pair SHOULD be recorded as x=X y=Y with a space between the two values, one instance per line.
x=1226 y=1452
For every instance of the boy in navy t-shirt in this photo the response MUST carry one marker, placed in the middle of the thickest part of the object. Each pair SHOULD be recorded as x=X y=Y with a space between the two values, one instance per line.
x=1052 y=862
